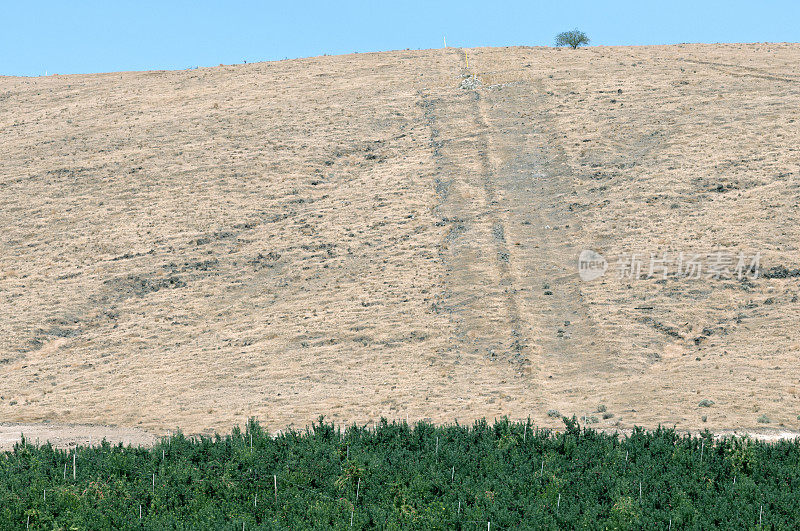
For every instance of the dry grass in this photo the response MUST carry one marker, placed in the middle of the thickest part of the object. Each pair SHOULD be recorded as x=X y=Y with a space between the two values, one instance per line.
x=359 y=237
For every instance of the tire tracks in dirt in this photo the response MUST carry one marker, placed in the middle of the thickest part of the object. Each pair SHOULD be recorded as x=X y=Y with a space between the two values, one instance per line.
x=537 y=185
x=745 y=71
x=480 y=296
x=512 y=289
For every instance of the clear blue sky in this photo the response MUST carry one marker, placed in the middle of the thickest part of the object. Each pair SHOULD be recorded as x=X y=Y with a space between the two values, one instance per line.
x=93 y=36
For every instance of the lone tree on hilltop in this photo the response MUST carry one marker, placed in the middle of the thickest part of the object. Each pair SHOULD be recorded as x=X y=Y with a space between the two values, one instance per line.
x=572 y=39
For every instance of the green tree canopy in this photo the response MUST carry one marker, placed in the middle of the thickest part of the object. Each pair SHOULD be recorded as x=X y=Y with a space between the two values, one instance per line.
x=573 y=38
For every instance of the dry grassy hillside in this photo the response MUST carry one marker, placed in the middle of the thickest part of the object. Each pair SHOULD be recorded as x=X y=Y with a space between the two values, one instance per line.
x=378 y=235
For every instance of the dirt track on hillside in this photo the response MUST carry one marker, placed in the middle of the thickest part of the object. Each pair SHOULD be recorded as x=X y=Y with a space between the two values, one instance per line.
x=362 y=236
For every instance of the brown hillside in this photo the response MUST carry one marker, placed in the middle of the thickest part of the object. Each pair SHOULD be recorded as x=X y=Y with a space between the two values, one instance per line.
x=379 y=235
